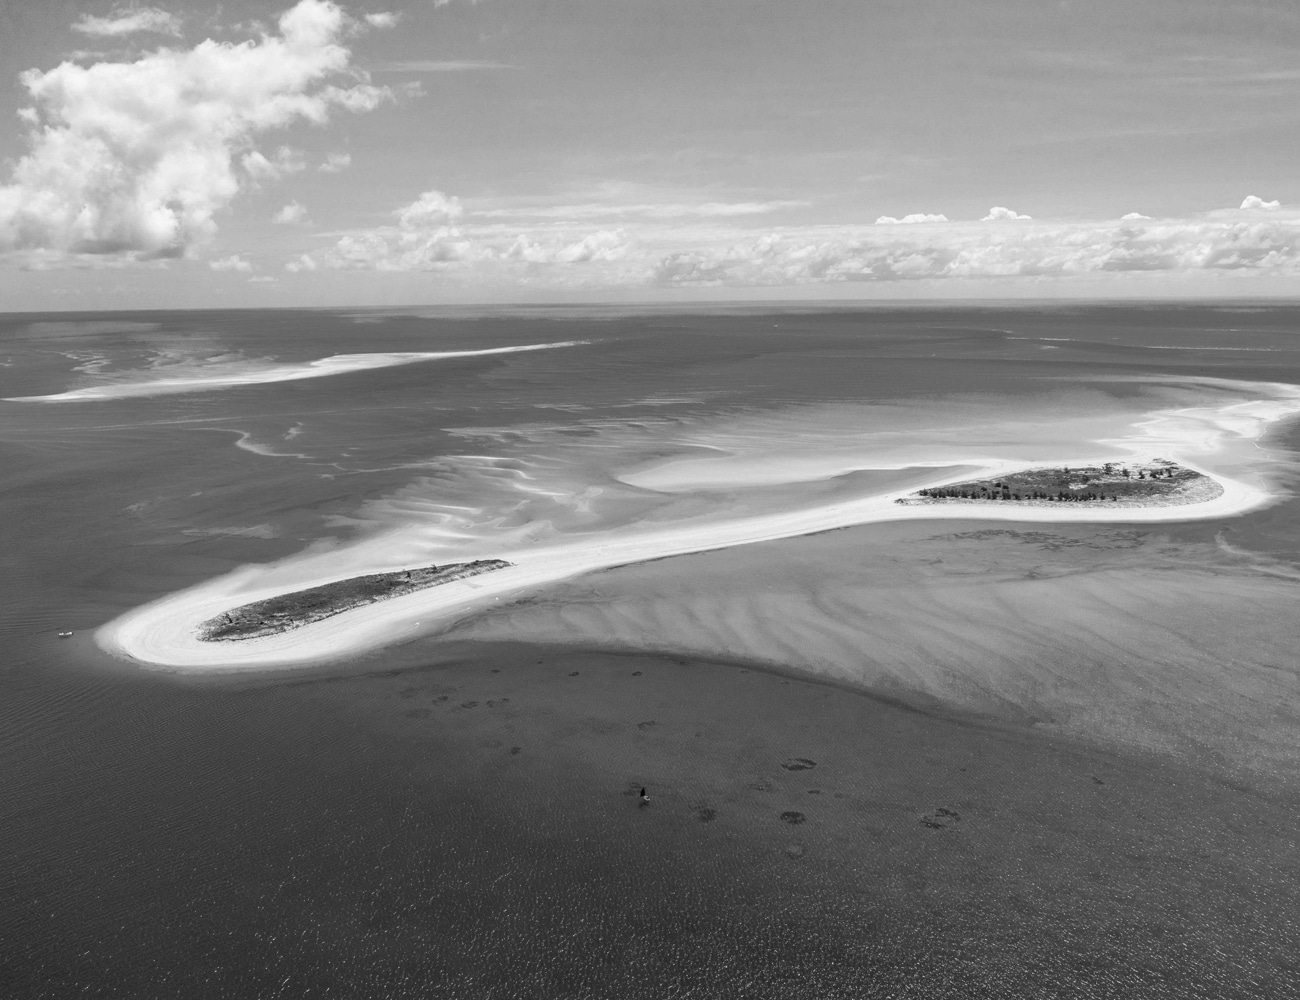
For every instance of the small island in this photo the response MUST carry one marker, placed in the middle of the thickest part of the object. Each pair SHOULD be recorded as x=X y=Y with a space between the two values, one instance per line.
x=289 y=611
x=1158 y=483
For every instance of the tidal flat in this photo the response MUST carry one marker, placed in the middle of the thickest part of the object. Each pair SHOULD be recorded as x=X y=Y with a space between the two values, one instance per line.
x=1161 y=637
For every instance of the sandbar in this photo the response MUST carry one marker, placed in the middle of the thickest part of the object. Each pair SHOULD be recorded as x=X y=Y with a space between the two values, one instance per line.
x=166 y=633
x=255 y=373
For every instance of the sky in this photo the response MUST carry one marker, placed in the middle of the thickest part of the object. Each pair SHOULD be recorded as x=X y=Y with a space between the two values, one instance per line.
x=390 y=152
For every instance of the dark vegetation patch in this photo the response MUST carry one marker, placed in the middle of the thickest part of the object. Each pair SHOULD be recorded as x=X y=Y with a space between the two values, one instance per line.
x=289 y=611
x=1113 y=482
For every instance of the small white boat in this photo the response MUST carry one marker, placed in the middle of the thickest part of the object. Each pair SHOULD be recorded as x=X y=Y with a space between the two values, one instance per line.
x=64 y=635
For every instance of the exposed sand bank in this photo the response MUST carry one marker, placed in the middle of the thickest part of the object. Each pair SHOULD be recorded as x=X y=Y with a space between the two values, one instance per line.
x=226 y=376
x=165 y=633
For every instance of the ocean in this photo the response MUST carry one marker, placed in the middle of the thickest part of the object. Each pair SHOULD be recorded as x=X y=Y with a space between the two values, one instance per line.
x=903 y=759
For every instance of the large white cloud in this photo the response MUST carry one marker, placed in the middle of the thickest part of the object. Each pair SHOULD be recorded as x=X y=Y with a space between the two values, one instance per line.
x=128 y=22
x=136 y=158
x=1254 y=201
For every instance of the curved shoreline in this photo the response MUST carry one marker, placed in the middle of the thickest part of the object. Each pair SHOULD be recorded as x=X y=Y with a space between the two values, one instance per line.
x=164 y=634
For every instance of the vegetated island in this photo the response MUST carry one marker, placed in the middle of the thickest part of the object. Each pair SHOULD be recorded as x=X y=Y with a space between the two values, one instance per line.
x=289 y=611
x=1158 y=483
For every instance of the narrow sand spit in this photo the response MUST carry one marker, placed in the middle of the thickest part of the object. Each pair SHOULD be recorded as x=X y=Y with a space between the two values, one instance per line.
x=255 y=373
x=165 y=633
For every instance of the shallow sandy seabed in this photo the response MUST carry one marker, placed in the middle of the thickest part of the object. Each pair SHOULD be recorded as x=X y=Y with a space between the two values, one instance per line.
x=1122 y=635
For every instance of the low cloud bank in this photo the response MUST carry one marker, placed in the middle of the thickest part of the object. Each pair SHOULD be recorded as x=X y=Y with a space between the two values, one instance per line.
x=437 y=233
x=430 y=234
x=1213 y=242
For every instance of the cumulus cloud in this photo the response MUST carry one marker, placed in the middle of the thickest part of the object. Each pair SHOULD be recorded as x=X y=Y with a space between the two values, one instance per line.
x=432 y=211
x=292 y=214
x=283 y=162
x=1132 y=216
x=603 y=245
x=1254 y=201
x=129 y=21
x=231 y=263
x=136 y=158
x=425 y=236
x=999 y=214
x=336 y=163
x=909 y=220
x=383 y=19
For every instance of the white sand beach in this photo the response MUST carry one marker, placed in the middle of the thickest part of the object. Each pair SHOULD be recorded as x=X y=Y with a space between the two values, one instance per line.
x=163 y=634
